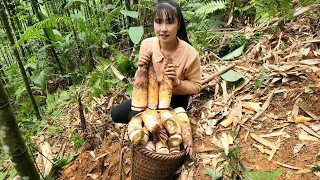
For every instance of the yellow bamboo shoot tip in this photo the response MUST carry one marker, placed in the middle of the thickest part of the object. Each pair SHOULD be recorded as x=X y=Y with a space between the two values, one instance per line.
x=226 y=122
x=252 y=106
x=299 y=119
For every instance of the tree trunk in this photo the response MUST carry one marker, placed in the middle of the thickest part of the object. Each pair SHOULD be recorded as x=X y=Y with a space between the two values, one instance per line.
x=35 y=7
x=6 y=26
x=14 y=25
x=12 y=140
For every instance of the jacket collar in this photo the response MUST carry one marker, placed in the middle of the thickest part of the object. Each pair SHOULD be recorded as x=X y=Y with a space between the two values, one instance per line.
x=176 y=58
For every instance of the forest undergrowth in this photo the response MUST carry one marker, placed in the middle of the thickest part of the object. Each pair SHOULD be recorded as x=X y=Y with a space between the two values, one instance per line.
x=259 y=120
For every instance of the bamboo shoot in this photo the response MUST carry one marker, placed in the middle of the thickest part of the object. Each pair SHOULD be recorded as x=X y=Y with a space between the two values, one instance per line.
x=135 y=130
x=153 y=88
x=174 y=149
x=151 y=121
x=140 y=90
x=168 y=122
x=165 y=91
x=146 y=136
x=150 y=145
x=162 y=148
x=185 y=129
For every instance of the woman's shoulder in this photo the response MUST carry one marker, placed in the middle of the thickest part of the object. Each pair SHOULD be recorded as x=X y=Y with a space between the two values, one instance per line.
x=190 y=49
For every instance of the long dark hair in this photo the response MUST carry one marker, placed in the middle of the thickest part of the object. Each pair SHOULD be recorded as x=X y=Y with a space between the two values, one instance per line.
x=171 y=10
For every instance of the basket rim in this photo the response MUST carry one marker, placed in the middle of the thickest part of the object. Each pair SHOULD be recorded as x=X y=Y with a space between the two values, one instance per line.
x=153 y=154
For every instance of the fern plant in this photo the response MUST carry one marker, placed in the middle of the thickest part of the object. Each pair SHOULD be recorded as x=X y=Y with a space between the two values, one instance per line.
x=212 y=7
x=266 y=10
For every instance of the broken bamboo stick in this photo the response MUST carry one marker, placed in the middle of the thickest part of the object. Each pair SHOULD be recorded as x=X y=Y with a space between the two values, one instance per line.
x=216 y=74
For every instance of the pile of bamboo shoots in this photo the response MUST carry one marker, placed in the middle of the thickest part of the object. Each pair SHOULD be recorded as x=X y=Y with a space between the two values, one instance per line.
x=161 y=130
x=147 y=93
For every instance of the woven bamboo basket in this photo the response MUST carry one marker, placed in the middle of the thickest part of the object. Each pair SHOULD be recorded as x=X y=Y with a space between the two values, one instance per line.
x=148 y=165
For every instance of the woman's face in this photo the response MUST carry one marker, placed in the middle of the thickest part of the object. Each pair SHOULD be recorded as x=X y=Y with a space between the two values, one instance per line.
x=166 y=28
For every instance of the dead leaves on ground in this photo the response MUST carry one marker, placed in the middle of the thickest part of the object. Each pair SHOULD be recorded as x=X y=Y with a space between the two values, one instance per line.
x=285 y=65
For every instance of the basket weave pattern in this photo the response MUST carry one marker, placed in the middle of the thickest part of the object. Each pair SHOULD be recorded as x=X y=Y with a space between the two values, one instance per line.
x=147 y=165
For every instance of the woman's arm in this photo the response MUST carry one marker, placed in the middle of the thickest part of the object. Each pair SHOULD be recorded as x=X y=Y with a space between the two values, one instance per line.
x=192 y=82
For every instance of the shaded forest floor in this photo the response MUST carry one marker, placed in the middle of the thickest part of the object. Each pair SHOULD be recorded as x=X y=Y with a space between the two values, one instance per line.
x=282 y=73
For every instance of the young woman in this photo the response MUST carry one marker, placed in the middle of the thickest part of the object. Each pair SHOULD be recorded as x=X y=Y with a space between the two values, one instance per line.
x=171 y=42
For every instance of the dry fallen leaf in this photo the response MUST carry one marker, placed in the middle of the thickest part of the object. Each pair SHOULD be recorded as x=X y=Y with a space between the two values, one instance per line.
x=288 y=166
x=279 y=133
x=297 y=148
x=295 y=110
x=308 y=130
x=317 y=86
x=264 y=141
x=47 y=157
x=307 y=137
x=93 y=176
x=225 y=143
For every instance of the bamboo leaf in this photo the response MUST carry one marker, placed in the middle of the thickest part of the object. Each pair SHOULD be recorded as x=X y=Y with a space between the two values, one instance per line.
x=72 y=2
x=135 y=34
x=215 y=175
x=132 y=14
x=230 y=76
x=234 y=54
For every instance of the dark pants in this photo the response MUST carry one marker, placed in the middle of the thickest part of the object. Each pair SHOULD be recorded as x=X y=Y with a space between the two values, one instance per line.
x=122 y=113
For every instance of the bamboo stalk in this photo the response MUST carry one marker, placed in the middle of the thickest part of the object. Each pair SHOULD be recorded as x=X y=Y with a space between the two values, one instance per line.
x=216 y=74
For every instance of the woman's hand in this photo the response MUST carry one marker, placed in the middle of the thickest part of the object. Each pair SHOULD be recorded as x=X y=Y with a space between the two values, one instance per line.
x=145 y=58
x=170 y=71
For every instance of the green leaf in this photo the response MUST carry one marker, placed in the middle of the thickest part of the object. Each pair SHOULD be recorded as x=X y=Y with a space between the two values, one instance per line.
x=230 y=76
x=135 y=34
x=316 y=169
x=66 y=98
x=110 y=6
x=77 y=15
x=234 y=54
x=211 y=7
x=132 y=14
x=83 y=37
x=39 y=79
x=71 y=2
x=31 y=65
x=3 y=174
x=129 y=90
x=214 y=174
x=21 y=7
x=260 y=175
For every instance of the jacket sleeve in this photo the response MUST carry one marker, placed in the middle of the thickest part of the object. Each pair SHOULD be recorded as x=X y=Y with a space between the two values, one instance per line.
x=192 y=82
